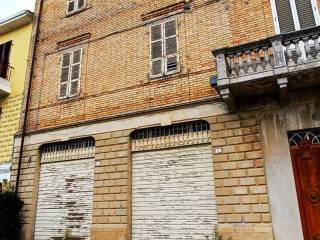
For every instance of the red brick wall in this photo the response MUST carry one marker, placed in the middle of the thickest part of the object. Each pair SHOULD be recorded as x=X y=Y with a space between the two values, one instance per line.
x=116 y=57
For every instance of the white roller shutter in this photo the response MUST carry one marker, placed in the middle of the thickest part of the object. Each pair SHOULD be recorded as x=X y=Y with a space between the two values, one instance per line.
x=173 y=193
x=65 y=197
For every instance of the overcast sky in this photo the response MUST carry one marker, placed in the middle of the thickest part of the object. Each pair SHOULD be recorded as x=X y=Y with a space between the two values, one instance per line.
x=10 y=7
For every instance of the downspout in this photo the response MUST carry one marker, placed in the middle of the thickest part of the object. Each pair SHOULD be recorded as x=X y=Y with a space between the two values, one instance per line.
x=26 y=106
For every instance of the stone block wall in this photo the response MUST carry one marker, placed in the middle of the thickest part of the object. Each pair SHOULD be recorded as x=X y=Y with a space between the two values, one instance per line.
x=28 y=185
x=111 y=214
x=240 y=182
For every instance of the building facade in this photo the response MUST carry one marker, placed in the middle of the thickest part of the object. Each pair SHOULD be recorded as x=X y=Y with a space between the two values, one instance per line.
x=134 y=130
x=15 y=36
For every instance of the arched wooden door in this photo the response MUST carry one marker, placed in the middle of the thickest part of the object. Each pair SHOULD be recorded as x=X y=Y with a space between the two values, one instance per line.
x=305 y=155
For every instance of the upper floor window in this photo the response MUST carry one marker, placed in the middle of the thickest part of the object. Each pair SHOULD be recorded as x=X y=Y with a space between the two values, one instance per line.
x=4 y=59
x=75 y=5
x=70 y=73
x=164 y=49
x=294 y=15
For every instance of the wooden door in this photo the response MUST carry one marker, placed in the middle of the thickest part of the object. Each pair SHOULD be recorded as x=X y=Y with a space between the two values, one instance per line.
x=306 y=166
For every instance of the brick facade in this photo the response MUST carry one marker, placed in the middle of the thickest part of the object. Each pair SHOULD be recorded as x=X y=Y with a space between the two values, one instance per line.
x=105 y=72
x=115 y=86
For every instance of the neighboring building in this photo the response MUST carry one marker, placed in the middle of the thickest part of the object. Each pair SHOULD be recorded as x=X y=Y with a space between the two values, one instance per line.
x=135 y=132
x=15 y=36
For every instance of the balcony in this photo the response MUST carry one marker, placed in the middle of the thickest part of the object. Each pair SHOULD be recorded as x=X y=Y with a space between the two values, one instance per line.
x=5 y=74
x=276 y=65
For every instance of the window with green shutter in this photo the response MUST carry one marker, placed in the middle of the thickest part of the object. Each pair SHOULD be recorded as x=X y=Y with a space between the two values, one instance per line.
x=70 y=73
x=294 y=15
x=164 y=49
x=285 y=16
x=305 y=14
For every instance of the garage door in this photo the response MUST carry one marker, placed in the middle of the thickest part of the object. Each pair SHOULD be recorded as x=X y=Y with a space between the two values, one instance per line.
x=65 y=194
x=173 y=188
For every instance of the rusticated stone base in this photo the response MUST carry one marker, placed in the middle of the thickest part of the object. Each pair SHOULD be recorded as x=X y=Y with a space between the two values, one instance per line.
x=246 y=231
x=114 y=234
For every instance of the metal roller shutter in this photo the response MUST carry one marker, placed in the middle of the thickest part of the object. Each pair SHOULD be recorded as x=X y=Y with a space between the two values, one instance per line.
x=173 y=194
x=65 y=196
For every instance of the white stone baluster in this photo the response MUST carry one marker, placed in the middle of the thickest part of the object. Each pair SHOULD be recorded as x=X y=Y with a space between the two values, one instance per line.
x=298 y=50
x=267 y=58
x=289 y=52
x=278 y=53
x=316 y=45
x=249 y=62
x=232 y=65
x=307 y=48
x=241 y=65
x=221 y=66
x=258 y=60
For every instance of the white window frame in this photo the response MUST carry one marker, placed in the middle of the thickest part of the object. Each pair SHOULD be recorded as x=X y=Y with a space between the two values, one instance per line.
x=76 y=9
x=294 y=11
x=164 y=70
x=69 y=95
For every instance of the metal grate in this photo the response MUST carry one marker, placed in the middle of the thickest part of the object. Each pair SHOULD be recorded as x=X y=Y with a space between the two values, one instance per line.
x=69 y=150
x=173 y=135
x=313 y=136
x=175 y=129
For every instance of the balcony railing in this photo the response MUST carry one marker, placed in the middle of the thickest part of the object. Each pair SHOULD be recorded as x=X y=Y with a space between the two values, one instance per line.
x=273 y=58
x=5 y=75
x=5 y=71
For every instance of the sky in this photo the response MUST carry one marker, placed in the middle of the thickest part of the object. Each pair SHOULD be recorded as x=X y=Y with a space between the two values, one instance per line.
x=10 y=7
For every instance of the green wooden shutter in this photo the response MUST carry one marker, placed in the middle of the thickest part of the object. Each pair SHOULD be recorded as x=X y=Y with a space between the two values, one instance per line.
x=171 y=46
x=75 y=72
x=156 y=50
x=285 y=17
x=81 y=4
x=305 y=14
x=71 y=5
x=64 y=75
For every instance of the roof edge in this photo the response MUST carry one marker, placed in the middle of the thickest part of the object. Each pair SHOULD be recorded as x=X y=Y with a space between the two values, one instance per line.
x=20 y=14
x=15 y=21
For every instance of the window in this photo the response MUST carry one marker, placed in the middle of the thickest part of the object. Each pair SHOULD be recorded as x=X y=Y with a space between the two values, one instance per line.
x=4 y=59
x=294 y=15
x=70 y=73
x=164 y=48
x=75 y=5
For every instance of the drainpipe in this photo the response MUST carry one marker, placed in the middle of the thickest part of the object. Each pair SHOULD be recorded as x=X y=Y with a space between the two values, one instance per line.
x=26 y=106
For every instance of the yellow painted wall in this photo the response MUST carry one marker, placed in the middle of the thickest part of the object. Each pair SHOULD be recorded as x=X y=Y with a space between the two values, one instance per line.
x=12 y=104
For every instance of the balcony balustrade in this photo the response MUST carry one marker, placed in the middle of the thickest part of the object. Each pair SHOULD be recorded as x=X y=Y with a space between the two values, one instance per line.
x=5 y=74
x=276 y=64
